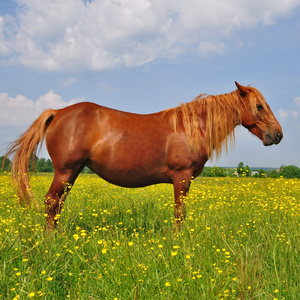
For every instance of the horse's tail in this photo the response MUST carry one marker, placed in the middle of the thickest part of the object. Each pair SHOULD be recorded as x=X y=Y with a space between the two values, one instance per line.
x=24 y=149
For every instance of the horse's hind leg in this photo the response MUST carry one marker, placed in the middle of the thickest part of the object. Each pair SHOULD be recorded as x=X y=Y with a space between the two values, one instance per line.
x=54 y=199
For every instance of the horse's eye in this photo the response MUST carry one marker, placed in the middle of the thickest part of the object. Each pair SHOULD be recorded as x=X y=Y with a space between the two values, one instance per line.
x=259 y=107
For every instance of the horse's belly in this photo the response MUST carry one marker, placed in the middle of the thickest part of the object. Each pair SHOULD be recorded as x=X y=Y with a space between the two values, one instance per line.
x=130 y=171
x=130 y=177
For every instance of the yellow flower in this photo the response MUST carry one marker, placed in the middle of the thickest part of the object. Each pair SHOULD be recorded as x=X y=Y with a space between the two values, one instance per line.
x=104 y=250
x=43 y=272
x=18 y=273
x=49 y=278
x=130 y=244
x=31 y=294
x=174 y=253
x=76 y=236
x=167 y=284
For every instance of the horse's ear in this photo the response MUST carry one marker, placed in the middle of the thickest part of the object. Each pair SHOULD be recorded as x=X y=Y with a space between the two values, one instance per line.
x=242 y=89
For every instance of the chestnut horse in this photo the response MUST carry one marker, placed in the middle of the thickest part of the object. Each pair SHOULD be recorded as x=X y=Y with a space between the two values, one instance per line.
x=134 y=150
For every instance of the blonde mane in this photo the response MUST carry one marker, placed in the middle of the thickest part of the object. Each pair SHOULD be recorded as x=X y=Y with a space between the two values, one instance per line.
x=213 y=117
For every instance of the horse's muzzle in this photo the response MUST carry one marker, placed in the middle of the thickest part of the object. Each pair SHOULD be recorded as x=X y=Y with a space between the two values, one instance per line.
x=273 y=139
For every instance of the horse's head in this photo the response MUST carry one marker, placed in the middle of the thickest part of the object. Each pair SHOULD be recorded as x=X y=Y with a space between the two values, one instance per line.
x=257 y=116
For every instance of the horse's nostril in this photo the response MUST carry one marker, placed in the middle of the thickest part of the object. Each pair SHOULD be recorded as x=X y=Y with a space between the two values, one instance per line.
x=278 y=136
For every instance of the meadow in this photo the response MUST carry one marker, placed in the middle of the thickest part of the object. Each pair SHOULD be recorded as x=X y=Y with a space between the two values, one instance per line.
x=240 y=240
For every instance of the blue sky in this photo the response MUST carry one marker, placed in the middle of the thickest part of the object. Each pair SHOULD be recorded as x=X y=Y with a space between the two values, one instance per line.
x=145 y=56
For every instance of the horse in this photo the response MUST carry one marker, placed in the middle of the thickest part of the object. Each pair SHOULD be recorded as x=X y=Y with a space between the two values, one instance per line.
x=136 y=150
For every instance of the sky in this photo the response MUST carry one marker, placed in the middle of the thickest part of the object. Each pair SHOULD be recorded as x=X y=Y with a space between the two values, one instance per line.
x=145 y=56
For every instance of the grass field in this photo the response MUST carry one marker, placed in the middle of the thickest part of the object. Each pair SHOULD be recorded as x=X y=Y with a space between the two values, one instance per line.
x=240 y=241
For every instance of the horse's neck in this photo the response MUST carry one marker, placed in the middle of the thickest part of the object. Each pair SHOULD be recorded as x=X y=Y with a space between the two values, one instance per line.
x=220 y=118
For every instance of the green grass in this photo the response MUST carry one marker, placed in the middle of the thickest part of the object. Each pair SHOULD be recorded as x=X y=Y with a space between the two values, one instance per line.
x=240 y=241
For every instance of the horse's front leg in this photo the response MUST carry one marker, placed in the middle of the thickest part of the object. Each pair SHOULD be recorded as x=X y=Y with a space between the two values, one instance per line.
x=181 y=187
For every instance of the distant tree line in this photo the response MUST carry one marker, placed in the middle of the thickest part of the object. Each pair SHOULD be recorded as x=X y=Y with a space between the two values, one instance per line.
x=291 y=171
x=40 y=165
x=242 y=170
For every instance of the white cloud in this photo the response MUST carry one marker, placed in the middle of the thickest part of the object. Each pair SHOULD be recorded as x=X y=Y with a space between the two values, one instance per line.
x=297 y=101
x=282 y=114
x=4 y=50
x=23 y=111
x=296 y=105
x=208 y=47
x=68 y=81
x=94 y=35
x=294 y=114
